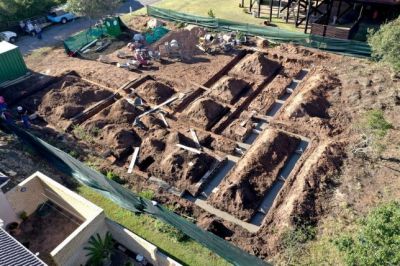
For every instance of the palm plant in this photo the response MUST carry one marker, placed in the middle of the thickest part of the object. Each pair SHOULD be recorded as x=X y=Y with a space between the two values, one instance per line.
x=99 y=250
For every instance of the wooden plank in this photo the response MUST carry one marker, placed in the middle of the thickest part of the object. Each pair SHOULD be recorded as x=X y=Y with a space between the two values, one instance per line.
x=194 y=137
x=133 y=160
x=188 y=148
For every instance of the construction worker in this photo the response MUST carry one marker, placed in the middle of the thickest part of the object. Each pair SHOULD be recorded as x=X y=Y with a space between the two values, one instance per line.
x=4 y=114
x=23 y=116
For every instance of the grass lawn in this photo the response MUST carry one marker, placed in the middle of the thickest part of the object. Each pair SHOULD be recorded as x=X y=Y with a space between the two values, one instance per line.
x=188 y=252
x=224 y=9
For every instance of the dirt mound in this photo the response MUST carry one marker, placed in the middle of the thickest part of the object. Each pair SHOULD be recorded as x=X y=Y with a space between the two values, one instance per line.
x=121 y=112
x=67 y=98
x=120 y=140
x=312 y=98
x=205 y=112
x=256 y=64
x=228 y=89
x=182 y=169
x=254 y=175
x=155 y=92
x=187 y=39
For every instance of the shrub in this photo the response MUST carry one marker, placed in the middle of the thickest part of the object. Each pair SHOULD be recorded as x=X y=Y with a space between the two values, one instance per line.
x=375 y=123
x=99 y=250
x=172 y=232
x=378 y=240
x=210 y=13
x=385 y=43
x=113 y=176
x=23 y=215
x=147 y=194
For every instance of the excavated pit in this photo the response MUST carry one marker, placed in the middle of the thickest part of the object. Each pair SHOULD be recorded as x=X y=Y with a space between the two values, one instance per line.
x=65 y=99
x=242 y=190
x=112 y=128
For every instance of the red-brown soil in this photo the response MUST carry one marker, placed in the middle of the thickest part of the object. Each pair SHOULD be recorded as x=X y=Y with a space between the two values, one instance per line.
x=256 y=64
x=248 y=182
x=65 y=99
x=205 y=112
x=155 y=92
x=228 y=89
x=112 y=127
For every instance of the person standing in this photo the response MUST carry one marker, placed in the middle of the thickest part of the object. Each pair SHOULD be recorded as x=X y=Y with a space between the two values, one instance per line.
x=38 y=31
x=23 y=116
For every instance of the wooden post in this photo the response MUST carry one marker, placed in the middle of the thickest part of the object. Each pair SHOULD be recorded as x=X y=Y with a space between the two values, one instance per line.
x=271 y=4
x=297 y=15
x=308 y=15
x=339 y=8
x=287 y=11
x=279 y=8
x=259 y=8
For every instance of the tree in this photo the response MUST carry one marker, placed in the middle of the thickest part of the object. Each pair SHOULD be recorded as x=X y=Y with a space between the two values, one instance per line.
x=378 y=240
x=99 y=250
x=94 y=9
x=14 y=10
x=385 y=43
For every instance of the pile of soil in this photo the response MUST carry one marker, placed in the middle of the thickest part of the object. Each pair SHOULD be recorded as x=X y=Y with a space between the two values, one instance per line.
x=205 y=112
x=236 y=131
x=312 y=99
x=243 y=190
x=155 y=92
x=228 y=89
x=65 y=99
x=119 y=139
x=263 y=102
x=113 y=127
x=121 y=112
x=183 y=169
x=187 y=40
x=255 y=64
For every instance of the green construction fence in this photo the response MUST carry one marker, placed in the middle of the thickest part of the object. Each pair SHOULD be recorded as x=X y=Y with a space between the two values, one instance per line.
x=129 y=200
x=347 y=47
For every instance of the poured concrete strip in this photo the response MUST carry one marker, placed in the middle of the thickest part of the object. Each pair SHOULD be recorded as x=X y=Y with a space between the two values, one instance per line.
x=221 y=214
x=243 y=146
x=194 y=137
x=189 y=148
x=200 y=86
x=133 y=160
x=164 y=120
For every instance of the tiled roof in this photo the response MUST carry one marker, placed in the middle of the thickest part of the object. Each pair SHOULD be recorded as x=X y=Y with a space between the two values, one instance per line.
x=15 y=254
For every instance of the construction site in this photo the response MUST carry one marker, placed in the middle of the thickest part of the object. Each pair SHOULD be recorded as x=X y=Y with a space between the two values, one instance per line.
x=244 y=136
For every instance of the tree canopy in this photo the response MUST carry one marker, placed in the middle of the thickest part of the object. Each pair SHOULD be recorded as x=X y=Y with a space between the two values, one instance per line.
x=378 y=240
x=14 y=10
x=385 y=43
x=94 y=9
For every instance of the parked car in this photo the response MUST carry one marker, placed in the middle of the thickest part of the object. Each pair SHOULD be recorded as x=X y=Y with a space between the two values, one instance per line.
x=8 y=36
x=28 y=25
x=59 y=15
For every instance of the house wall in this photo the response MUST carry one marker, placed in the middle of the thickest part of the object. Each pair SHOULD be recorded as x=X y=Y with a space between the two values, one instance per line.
x=69 y=200
x=71 y=251
x=138 y=245
x=29 y=200
x=7 y=213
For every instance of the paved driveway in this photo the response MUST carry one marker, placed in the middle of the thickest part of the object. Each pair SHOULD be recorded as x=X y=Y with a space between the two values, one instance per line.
x=55 y=34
